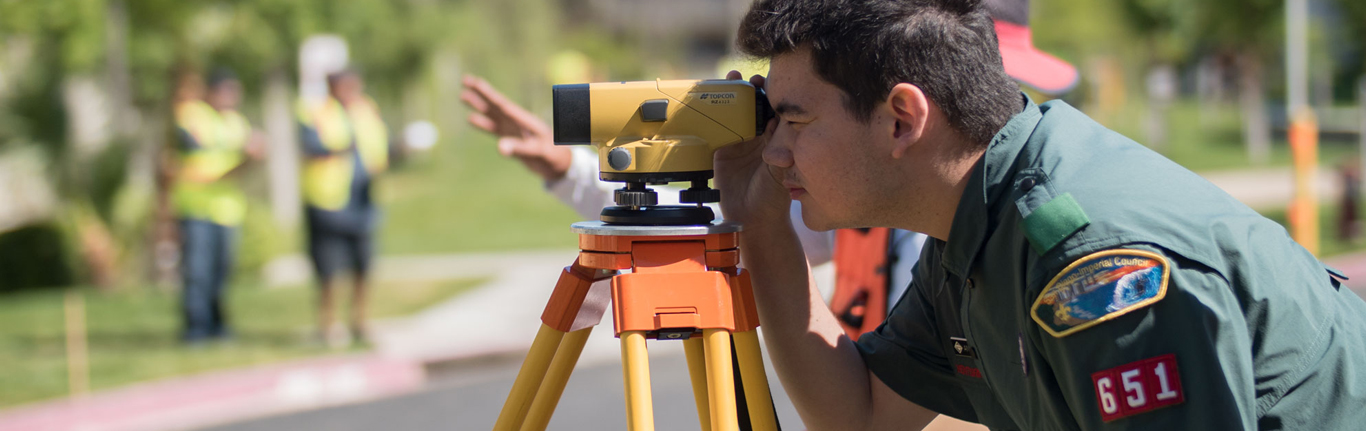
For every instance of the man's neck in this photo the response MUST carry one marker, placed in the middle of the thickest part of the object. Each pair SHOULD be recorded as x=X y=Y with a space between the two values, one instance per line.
x=956 y=162
x=959 y=174
x=932 y=199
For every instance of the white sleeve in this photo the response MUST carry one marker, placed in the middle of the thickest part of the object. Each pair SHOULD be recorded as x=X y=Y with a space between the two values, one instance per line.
x=580 y=188
x=905 y=253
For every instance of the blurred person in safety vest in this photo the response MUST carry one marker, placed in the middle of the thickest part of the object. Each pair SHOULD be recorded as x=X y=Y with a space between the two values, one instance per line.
x=214 y=143
x=345 y=144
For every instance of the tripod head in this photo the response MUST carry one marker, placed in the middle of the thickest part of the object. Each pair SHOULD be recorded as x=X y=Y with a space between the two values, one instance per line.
x=657 y=132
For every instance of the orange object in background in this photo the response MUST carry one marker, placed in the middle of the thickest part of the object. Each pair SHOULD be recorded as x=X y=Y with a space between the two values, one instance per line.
x=1303 y=214
x=860 y=298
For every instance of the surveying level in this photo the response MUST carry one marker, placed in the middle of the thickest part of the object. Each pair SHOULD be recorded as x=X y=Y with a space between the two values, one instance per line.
x=656 y=132
x=685 y=282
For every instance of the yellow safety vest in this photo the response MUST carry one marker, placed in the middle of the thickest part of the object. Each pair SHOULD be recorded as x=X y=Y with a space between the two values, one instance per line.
x=327 y=179
x=201 y=191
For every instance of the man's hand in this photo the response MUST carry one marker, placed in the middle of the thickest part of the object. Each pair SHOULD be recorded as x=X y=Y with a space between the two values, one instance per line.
x=256 y=146
x=520 y=134
x=752 y=195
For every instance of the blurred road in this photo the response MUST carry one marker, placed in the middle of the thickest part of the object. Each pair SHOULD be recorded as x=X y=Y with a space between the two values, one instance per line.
x=470 y=399
x=470 y=396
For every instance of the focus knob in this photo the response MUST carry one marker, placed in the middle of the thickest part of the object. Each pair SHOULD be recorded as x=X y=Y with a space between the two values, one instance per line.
x=619 y=158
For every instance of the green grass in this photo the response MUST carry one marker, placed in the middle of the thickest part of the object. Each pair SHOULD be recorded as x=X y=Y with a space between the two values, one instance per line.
x=133 y=335
x=463 y=196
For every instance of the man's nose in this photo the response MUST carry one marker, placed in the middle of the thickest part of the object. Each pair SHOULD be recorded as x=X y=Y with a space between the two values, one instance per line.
x=777 y=152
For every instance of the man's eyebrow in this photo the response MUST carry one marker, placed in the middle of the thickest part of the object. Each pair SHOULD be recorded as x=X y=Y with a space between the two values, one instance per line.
x=788 y=108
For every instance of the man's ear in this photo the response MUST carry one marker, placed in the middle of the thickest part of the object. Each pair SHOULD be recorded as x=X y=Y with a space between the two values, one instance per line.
x=910 y=111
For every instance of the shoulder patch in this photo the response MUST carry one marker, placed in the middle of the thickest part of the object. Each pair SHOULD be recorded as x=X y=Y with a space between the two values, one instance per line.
x=1099 y=287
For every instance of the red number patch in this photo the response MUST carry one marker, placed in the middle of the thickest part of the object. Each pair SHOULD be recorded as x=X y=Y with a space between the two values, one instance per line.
x=1138 y=387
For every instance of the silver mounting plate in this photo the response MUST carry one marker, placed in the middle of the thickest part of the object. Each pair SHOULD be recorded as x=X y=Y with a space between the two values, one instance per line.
x=600 y=228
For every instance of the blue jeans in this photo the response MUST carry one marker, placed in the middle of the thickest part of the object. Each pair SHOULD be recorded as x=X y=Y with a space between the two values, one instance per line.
x=205 y=262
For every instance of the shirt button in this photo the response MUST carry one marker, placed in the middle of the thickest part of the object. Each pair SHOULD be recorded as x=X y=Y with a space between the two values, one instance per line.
x=1026 y=184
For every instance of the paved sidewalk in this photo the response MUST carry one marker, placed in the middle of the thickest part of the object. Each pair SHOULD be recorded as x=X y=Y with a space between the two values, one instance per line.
x=225 y=396
x=500 y=317
x=1269 y=188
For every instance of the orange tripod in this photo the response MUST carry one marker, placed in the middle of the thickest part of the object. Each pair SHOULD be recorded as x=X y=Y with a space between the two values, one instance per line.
x=684 y=283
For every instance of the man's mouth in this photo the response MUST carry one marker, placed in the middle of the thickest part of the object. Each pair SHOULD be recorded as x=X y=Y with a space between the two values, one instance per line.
x=794 y=191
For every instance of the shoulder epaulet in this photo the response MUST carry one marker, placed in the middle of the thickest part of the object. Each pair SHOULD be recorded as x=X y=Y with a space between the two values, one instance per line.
x=1054 y=221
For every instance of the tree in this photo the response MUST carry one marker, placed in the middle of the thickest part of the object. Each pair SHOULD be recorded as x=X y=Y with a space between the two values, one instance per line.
x=1159 y=25
x=1249 y=31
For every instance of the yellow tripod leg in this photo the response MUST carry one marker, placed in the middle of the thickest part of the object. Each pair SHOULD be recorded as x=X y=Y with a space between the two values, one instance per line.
x=757 y=397
x=697 y=369
x=635 y=366
x=552 y=387
x=720 y=380
x=529 y=379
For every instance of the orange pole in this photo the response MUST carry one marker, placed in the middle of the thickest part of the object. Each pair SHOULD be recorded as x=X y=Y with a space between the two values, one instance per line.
x=1303 y=214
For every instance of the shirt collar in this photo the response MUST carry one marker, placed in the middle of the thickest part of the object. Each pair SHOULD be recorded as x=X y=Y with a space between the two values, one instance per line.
x=989 y=179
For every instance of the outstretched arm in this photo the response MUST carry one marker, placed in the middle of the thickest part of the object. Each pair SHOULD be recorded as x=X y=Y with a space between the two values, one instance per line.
x=520 y=134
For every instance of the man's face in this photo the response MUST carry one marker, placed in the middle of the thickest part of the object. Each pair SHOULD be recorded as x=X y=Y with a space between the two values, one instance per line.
x=225 y=95
x=825 y=157
x=347 y=88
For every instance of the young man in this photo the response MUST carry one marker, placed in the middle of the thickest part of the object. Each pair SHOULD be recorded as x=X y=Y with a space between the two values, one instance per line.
x=873 y=267
x=1074 y=279
x=214 y=142
x=346 y=144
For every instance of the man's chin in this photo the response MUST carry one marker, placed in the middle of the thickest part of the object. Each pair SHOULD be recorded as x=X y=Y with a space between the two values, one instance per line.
x=817 y=222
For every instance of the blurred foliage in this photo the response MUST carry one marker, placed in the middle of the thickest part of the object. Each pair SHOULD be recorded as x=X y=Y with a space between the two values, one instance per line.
x=1161 y=26
x=43 y=45
x=392 y=42
x=1353 y=14
x=33 y=256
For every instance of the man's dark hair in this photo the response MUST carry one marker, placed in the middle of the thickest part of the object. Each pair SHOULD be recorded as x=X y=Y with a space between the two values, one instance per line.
x=219 y=76
x=349 y=72
x=865 y=47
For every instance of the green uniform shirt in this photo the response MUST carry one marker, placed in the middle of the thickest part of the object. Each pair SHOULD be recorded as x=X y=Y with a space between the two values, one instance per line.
x=1089 y=283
